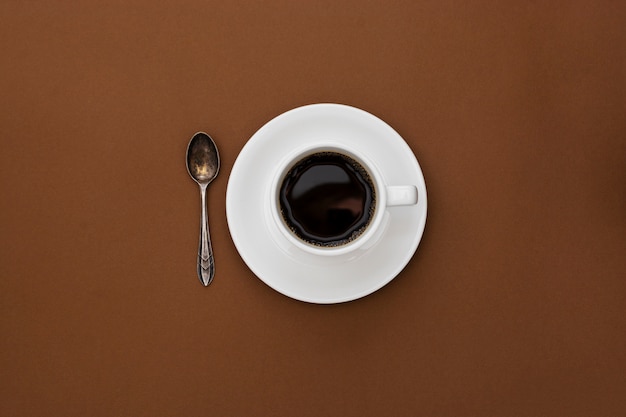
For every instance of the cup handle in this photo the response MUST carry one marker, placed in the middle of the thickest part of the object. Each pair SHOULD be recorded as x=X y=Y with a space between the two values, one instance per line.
x=401 y=195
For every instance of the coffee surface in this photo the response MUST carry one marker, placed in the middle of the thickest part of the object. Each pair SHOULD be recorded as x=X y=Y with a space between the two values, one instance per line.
x=327 y=199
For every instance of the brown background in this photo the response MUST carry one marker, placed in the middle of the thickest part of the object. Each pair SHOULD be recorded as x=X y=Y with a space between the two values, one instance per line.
x=514 y=304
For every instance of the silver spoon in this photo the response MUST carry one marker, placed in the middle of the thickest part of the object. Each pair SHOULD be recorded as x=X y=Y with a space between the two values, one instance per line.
x=203 y=164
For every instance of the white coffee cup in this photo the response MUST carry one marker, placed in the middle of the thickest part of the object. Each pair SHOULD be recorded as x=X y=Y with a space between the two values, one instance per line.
x=386 y=196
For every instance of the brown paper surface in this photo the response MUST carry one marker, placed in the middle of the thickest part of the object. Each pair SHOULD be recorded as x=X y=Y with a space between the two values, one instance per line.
x=513 y=305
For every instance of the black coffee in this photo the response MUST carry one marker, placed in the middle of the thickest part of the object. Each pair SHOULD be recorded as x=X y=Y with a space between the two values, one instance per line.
x=327 y=199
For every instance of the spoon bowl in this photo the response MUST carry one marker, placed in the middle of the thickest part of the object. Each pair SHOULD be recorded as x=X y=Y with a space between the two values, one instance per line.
x=203 y=161
x=203 y=165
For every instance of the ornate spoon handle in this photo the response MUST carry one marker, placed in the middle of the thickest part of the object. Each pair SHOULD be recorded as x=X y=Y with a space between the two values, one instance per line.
x=206 y=266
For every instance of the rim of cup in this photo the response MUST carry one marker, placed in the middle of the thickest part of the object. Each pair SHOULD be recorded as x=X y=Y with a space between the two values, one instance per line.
x=296 y=156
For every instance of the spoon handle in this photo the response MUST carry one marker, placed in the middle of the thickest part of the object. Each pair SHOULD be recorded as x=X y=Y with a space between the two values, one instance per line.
x=206 y=266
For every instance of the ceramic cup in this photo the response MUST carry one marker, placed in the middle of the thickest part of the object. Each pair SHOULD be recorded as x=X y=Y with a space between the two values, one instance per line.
x=384 y=196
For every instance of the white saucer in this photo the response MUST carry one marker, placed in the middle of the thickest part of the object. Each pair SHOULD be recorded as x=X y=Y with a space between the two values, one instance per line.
x=290 y=270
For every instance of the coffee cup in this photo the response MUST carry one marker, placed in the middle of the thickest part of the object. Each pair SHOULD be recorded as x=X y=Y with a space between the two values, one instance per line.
x=330 y=199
